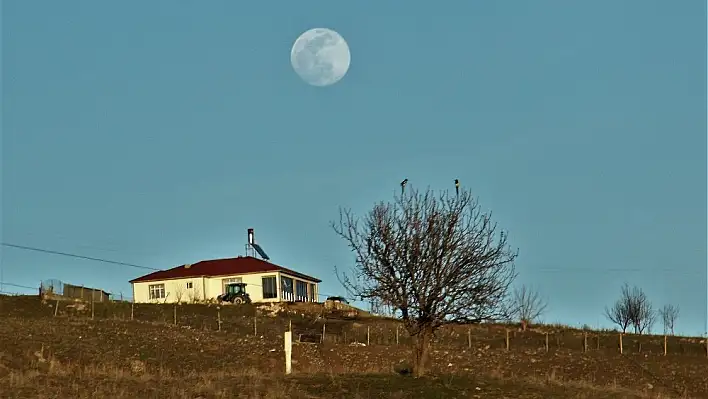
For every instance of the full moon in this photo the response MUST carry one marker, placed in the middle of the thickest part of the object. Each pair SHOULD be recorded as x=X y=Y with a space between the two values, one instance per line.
x=320 y=57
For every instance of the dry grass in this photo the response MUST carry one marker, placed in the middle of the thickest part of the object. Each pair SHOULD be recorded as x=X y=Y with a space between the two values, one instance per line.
x=51 y=378
x=76 y=381
x=44 y=356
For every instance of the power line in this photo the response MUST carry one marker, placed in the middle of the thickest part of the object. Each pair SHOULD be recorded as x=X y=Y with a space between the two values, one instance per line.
x=545 y=270
x=47 y=251
x=17 y=285
x=64 y=238
x=613 y=270
x=42 y=250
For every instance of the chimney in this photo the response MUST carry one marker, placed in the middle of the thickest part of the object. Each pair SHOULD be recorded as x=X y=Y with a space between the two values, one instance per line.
x=251 y=240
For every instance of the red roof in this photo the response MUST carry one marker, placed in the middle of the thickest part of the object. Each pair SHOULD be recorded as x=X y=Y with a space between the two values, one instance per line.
x=221 y=267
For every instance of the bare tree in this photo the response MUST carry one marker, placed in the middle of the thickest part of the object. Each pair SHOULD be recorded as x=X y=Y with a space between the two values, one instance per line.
x=619 y=312
x=433 y=258
x=633 y=308
x=179 y=293
x=194 y=295
x=526 y=306
x=642 y=312
x=669 y=314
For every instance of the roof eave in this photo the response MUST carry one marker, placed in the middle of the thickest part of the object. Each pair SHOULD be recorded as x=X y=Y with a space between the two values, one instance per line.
x=298 y=275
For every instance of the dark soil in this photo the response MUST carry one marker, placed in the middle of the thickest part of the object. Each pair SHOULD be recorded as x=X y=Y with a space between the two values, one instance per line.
x=73 y=355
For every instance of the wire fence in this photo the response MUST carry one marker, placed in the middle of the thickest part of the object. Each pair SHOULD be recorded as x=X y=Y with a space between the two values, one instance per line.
x=58 y=289
x=270 y=322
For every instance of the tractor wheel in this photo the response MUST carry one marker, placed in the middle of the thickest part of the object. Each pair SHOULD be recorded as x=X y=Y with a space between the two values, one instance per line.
x=238 y=301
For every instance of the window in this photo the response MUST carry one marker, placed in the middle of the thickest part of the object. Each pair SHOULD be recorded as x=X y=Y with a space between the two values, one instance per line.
x=190 y=285
x=270 y=290
x=300 y=291
x=157 y=291
x=286 y=283
x=313 y=294
x=225 y=281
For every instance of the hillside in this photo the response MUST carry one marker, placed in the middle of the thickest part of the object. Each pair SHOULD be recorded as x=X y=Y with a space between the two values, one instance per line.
x=43 y=355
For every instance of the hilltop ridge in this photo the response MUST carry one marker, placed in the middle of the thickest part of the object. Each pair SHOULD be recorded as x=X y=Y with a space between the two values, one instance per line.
x=44 y=354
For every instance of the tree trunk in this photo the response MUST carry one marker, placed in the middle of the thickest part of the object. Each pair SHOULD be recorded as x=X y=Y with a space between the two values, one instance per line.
x=422 y=348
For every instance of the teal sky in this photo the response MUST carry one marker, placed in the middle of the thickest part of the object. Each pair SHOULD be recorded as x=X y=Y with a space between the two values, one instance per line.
x=157 y=132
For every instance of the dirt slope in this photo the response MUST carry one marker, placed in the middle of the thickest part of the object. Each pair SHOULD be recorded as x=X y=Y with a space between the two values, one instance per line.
x=150 y=356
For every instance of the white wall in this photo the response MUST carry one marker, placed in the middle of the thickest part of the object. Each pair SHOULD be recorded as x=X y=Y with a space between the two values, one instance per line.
x=254 y=285
x=175 y=290
x=204 y=288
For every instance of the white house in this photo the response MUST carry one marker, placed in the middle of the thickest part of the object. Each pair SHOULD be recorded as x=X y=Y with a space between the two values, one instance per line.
x=265 y=282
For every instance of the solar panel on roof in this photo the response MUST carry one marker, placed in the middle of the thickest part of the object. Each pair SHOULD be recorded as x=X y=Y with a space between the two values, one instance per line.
x=260 y=251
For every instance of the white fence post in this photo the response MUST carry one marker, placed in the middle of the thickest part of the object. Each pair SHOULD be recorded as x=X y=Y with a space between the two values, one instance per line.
x=288 y=351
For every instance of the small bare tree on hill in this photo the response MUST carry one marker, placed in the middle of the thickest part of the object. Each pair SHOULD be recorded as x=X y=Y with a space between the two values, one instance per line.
x=526 y=306
x=619 y=312
x=633 y=308
x=643 y=314
x=194 y=295
x=669 y=314
x=179 y=293
x=433 y=258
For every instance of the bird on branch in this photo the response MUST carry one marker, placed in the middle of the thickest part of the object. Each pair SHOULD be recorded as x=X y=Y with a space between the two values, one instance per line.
x=403 y=185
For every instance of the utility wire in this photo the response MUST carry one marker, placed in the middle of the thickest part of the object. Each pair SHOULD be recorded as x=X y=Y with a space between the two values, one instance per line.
x=47 y=251
x=613 y=270
x=545 y=270
x=552 y=270
x=27 y=248
x=18 y=285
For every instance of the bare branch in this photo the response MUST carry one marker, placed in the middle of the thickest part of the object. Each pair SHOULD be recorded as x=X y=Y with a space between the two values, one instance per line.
x=642 y=311
x=179 y=293
x=632 y=308
x=435 y=259
x=526 y=306
x=669 y=314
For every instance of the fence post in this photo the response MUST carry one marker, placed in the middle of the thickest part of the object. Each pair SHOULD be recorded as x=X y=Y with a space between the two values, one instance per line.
x=290 y=325
x=396 y=334
x=469 y=337
x=546 y=341
x=664 y=345
x=585 y=341
x=255 y=325
x=175 y=313
x=288 y=351
x=324 y=329
x=621 y=348
x=92 y=307
x=507 y=339
x=598 y=341
x=132 y=309
x=368 y=334
x=218 y=319
x=56 y=308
